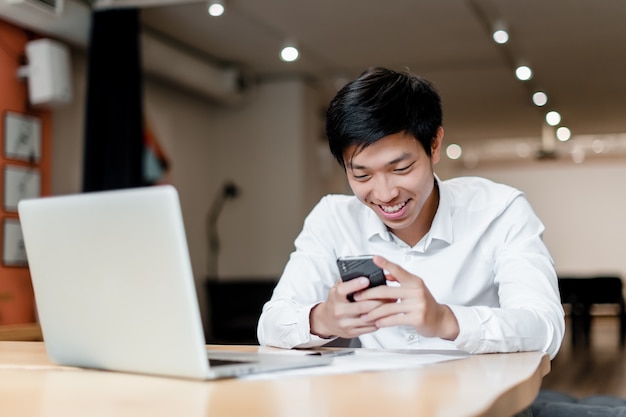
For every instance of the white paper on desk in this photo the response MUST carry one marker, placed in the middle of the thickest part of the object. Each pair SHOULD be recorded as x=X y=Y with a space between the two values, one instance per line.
x=366 y=360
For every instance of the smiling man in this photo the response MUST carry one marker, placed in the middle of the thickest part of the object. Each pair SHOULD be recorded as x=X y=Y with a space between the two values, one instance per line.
x=464 y=259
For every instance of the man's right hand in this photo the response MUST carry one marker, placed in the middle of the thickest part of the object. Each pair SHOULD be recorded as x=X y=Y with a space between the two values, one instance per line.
x=338 y=317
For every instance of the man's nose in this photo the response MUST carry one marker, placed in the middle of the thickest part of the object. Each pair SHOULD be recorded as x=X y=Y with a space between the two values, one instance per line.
x=385 y=189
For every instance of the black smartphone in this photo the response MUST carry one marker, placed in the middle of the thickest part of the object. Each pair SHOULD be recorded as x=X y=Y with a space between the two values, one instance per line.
x=351 y=267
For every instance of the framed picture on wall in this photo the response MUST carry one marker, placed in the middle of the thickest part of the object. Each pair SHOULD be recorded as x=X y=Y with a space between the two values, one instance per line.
x=13 y=249
x=22 y=137
x=20 y=183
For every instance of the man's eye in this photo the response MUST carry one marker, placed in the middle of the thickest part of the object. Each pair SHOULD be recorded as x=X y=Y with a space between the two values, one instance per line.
x=360 y=177
x=404 y=169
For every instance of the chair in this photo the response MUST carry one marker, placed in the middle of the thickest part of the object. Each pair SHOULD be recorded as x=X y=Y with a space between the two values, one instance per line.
x=581 y=293
x=234 y=308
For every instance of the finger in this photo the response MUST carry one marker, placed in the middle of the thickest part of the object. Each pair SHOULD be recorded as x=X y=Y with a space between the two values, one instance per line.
x=387 y=310
x=365 y=306
x=347 y=324
x=394 y=320
x=382 y=293
x=354 y=326
x=358 y=331
x=352 y=286
x=395 y=271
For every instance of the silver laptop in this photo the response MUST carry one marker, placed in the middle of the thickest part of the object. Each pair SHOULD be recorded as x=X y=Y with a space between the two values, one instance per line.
x=114 y=287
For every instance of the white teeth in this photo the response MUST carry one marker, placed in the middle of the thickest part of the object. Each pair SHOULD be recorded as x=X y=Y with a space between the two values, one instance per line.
x=393 y=209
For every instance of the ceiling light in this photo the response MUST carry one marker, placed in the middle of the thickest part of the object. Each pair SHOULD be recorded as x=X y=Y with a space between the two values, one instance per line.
x=540 y=98
x=500 y=33
x=597 y=146
x=289 y=53
x=553 y=118
x=216 y=8
x=454 y=151
x=523 y=73
x=500 y=36
x=563 y=134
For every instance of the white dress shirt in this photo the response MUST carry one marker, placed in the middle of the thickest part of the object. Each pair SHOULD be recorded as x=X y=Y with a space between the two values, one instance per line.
x=484 y=257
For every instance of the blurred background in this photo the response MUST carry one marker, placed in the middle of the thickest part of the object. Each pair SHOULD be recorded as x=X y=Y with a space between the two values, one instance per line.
x=533 y=95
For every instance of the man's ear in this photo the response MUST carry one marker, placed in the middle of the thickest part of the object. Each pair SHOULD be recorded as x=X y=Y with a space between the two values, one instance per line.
x=435 y=148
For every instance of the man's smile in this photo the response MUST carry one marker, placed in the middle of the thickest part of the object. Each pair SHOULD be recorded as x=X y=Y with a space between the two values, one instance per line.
x=393 y=212
x=392 y=209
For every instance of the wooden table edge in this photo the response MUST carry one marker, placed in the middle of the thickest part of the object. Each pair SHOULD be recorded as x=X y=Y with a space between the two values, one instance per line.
x=519 y=394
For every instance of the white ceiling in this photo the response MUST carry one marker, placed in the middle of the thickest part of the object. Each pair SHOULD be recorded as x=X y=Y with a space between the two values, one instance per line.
x=577 y=49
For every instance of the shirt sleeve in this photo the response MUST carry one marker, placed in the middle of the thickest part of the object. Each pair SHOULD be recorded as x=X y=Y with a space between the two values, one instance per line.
x=308 y=276
x=530 y=315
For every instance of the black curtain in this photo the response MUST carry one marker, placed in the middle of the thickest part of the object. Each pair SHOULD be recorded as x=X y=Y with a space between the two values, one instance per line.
x=113 y=147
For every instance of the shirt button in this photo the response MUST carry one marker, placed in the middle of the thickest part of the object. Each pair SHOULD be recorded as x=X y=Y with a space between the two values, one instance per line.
x=412 y=337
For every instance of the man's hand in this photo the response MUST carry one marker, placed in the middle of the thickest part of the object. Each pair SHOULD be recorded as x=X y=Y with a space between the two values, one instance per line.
x=339 y=317
x=416 y=306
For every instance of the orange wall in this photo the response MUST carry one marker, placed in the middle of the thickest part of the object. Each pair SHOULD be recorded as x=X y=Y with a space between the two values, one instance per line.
x=16 y=293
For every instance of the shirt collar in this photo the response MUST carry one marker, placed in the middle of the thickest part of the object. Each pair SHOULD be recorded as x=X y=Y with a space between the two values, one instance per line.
x=374 y=227
x=442 y=223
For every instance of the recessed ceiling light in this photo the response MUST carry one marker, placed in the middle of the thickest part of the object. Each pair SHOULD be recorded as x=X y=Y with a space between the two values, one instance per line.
x=553 y=118
x=523 y=73
x=563 y=134
x=597 y=146
x=540 y=98
x=289 y=53
x=500 y=36
x=454 y=151
x=216 y=8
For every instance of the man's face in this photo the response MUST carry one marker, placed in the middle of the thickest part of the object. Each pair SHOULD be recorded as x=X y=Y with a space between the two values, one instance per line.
x=394 y=177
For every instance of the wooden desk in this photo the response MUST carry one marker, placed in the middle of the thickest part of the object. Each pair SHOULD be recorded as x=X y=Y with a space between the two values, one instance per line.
x=481 y=385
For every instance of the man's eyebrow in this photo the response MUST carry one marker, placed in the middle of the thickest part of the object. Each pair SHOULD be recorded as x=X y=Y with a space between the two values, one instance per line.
x=403 y=157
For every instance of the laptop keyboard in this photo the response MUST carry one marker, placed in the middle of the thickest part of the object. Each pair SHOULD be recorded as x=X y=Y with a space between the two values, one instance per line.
x=222 y=362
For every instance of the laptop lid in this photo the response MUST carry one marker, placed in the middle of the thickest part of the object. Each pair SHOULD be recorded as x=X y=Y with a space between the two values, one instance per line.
x=114 y=286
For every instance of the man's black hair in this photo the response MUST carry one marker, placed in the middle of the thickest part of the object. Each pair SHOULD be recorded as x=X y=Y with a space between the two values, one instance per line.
x=382 y=102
